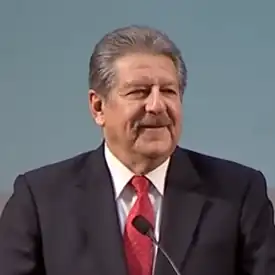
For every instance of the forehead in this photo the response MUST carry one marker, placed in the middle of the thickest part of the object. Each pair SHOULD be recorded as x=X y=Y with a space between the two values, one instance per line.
x=142 y=69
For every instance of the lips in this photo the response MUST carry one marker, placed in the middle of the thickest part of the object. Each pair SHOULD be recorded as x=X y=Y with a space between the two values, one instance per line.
x=153 y=126
x=154 y=123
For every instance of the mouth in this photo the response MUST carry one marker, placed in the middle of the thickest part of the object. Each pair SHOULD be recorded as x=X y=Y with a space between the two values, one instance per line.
x=153 y=126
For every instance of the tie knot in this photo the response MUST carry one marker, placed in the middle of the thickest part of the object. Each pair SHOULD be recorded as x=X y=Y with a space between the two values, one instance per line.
x=141 y=184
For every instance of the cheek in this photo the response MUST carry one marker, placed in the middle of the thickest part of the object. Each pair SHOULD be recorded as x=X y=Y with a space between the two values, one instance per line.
x=122 y=122
x=175 y=113
x=176 y=117
x=132 y=114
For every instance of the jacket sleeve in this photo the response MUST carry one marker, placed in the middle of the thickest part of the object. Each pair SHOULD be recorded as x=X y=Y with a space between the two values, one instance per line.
x=20 y=240
x=257 y=230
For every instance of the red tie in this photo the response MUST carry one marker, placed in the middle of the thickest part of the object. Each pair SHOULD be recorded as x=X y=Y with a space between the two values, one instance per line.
x=139 y=248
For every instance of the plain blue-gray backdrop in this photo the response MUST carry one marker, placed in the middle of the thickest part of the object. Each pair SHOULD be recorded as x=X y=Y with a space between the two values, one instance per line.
x=44 y=52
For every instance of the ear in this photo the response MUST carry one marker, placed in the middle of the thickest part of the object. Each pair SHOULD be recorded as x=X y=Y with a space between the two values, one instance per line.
x=96 y=107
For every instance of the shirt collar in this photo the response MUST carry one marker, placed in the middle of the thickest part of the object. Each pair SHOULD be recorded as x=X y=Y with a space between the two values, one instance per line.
x=121 y=175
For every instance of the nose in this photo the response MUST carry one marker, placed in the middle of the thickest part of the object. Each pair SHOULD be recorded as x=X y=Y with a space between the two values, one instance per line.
x=155 y=103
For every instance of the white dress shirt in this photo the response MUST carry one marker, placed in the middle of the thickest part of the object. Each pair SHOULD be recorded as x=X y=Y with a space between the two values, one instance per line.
x=126 y=196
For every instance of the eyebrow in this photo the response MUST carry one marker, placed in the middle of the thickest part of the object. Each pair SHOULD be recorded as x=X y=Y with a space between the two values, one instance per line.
x=147 y=81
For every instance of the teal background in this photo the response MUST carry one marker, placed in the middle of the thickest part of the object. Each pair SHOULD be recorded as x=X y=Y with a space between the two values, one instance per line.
x=44 y=52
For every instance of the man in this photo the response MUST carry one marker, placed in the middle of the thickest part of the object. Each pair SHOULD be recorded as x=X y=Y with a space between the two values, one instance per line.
x=212 y=216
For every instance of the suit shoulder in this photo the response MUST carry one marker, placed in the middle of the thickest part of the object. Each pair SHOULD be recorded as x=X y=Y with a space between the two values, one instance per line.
x=215 y=164
x=57 y=172
x=223 y=174
x=72 y=162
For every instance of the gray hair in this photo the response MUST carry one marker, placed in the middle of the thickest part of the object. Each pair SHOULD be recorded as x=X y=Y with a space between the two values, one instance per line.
x=127 y=40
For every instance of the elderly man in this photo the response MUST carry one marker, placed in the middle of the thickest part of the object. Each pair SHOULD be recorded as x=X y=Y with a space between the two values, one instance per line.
x=210 y=215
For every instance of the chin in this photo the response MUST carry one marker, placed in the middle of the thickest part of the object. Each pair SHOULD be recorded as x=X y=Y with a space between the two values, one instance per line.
x=155 y=149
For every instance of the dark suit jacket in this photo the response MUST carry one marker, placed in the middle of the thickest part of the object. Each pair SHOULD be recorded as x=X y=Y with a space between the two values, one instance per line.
x=62 y=220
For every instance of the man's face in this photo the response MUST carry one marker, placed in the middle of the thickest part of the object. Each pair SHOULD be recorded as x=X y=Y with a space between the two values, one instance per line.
x=142 y=114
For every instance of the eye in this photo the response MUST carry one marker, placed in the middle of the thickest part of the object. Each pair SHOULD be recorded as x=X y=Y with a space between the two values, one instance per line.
x=140 y=92
x=168 y=91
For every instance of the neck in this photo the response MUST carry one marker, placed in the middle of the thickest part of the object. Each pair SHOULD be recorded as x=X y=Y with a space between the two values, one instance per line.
x=138 y=164
x=142 y=166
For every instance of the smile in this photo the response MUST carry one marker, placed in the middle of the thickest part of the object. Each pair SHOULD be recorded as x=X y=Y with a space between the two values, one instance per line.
x=153 y=126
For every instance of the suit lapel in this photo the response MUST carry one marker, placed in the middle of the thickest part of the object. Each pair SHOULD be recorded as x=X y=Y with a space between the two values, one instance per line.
x=181 y=212
x=99 y=216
